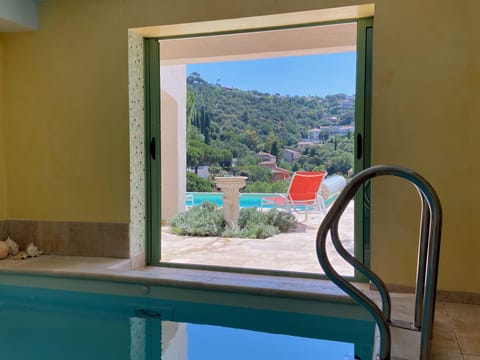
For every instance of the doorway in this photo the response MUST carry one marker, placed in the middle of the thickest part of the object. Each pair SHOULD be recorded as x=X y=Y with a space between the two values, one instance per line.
x=321 y=131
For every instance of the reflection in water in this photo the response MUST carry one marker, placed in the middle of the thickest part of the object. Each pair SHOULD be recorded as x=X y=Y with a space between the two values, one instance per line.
x=174 y=341
x=34 y=331
x=183 y=341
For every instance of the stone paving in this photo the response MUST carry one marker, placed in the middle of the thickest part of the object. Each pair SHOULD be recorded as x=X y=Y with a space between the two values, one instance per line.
x=293 y=251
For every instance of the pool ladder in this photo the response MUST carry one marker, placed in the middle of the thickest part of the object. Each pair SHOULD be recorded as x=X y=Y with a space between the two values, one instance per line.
x=427 y=264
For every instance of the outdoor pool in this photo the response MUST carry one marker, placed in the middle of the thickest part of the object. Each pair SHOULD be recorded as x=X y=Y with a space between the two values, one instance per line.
x=40 y=323
x=246 y=199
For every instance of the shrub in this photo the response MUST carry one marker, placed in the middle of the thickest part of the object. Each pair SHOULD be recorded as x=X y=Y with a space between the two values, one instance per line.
x=283 y=220
x=259 y=231
x=251 y=216
x=280 y=186
x=204 y=220
x=251 y=231
x=233 y=231
x=207 y=220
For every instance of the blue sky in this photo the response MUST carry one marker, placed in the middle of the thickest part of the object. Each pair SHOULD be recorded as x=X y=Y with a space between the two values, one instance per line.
x=318 y=75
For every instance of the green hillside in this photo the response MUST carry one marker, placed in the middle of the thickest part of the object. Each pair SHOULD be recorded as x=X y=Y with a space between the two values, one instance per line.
x=262 y=117
x=226 y=123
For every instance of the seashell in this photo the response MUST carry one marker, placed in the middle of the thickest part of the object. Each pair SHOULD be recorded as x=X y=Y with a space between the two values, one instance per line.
x=12 y=246
x=22 y=255
x=3 y=250
x=33 y=250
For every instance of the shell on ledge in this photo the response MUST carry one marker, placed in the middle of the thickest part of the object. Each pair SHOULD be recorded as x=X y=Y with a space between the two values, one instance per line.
x=32 y=250
x=22 y=255
x=3 y=250
x=12 y=246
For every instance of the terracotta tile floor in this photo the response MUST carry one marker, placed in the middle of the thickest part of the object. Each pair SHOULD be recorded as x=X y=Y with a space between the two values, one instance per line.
x=456 y=332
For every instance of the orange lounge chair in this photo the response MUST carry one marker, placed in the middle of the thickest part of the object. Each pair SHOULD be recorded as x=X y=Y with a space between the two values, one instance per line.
x=302 y=194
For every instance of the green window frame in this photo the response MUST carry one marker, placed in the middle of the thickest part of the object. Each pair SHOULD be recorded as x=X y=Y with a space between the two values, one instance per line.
x=362 y=148
x=363 y=126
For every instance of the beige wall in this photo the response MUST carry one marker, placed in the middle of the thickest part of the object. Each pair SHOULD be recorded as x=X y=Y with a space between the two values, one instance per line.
x=67 y=115
x=173 y=131
x=2 y=138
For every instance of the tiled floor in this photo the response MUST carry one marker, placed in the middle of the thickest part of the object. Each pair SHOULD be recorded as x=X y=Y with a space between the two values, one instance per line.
x=456 y=332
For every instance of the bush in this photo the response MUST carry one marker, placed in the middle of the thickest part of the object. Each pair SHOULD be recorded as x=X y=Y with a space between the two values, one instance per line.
x=280 y=186
x=251 y=216
x=234 y=231
x=204 y=220
x=207 y=220
x=259 y=231
x=251 y=231
x=196 y=184
x=283 y=220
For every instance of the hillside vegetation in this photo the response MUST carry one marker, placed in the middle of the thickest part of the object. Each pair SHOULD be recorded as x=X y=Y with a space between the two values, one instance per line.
x=226 y=123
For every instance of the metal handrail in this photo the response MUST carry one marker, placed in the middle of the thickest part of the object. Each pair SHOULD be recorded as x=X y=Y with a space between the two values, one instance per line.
x=427 y=266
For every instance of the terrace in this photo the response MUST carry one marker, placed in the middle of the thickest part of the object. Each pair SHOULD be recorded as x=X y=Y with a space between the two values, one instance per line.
x=293 y=251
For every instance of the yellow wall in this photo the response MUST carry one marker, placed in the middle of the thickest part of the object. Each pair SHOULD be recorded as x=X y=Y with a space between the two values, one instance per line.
x=426 y=115
x=2 y=139
x=67 y=115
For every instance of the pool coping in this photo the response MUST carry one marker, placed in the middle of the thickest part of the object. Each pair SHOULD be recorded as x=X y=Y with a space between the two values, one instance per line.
x=190 y=278
x=111 y=276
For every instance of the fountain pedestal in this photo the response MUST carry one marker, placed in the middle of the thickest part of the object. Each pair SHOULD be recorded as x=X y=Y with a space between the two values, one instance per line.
x=230 y=186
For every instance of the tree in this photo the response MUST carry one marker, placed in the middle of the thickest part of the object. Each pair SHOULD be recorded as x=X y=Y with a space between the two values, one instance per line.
x=227 y=159
x=206 y=131
x=199 y=153
x=190 y=106
x=340 y=164
x=194 y=156
x=274 y=150
x=347 y=119
x=196 y=184
x=324 y=135
x=249 y=138
x=254 y=172
x=244 y=117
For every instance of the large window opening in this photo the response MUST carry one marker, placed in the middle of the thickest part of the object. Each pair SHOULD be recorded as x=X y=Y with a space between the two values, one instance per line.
x=267 y=107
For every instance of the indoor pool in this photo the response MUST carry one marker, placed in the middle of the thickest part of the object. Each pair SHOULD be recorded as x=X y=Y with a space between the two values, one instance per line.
x=53 y=324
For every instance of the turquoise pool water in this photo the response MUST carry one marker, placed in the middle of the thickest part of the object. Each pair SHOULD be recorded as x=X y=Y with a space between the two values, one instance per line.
x=246 y=199
x=52 y=324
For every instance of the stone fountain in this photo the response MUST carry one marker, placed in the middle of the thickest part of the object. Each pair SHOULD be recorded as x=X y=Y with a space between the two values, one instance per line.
x=230 y=186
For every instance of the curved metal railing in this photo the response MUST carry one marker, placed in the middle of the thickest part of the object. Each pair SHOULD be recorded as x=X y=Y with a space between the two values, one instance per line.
x=427 y=266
